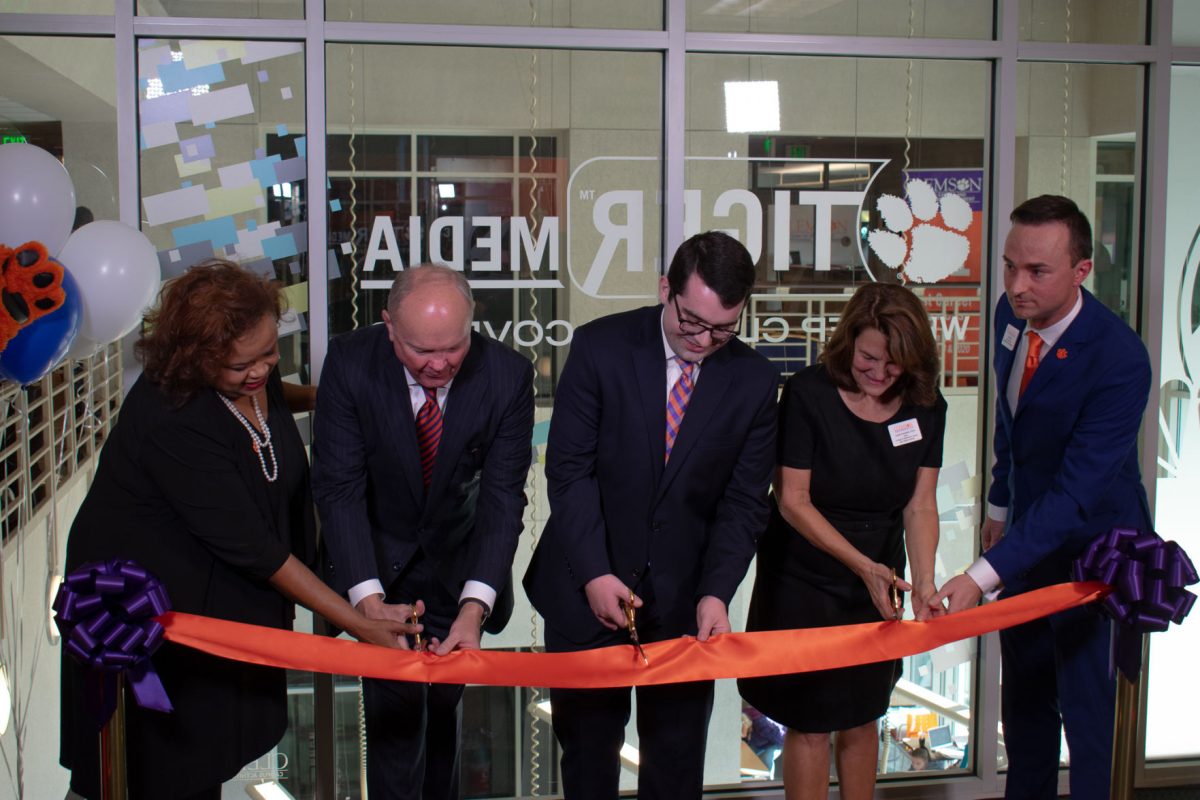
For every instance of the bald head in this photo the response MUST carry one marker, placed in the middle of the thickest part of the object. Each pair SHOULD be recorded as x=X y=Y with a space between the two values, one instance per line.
x=429 y=322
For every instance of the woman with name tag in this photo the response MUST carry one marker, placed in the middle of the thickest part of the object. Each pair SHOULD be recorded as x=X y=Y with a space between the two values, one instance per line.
x=860 y=445
x=204 y=483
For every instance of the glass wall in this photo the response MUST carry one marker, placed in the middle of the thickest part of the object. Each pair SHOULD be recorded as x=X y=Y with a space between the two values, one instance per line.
x=560 y=163
x=802 y=190
x=1172 y=708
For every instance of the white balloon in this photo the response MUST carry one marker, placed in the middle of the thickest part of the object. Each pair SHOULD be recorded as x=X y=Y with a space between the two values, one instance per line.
x=117 y=270
x=81 y=348
x=37 y=198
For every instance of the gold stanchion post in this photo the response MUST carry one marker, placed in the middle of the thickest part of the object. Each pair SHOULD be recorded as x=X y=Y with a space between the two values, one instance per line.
x=1125 y=736
x=114 y=781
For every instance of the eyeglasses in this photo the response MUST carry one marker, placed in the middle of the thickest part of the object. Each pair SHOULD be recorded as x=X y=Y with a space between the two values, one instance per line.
x=718 y=333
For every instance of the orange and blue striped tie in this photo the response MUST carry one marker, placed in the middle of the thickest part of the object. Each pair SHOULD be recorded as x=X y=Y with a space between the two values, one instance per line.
x=677 y=402
x=429 y=434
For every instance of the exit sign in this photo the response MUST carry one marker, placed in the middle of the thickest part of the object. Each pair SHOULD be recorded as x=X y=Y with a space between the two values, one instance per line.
x=10 y=138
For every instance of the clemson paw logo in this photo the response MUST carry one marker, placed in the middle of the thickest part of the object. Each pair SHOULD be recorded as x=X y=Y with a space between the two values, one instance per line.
x=924 y=236
x=30 y=287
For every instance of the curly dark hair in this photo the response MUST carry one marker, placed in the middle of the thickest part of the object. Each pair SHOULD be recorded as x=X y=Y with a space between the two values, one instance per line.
x=189 y=334
x=898 y=314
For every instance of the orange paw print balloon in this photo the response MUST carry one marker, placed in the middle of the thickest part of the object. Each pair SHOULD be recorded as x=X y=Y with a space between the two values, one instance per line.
x=30 y=287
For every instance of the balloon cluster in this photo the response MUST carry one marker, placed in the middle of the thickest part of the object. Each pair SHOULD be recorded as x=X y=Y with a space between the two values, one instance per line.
x=63 y=293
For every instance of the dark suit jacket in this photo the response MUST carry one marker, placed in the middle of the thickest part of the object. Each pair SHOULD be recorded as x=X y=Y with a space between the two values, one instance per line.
x=375 y=515
x=180 y=491
x=1066 y=462
x=614 y=508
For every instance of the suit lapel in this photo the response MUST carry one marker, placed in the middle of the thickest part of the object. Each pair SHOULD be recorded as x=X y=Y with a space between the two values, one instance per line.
x=1005 y=357
x=715 y=375
x=458 y=417
x=1058 y=360
x=650 y=371
x=399 y=427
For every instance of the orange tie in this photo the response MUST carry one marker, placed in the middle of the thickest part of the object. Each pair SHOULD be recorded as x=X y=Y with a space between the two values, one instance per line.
x=1031 y=360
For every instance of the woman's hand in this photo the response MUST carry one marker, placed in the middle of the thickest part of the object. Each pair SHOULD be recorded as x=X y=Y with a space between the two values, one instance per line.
x=384 y=632
x=925 y=602
x=878 y=579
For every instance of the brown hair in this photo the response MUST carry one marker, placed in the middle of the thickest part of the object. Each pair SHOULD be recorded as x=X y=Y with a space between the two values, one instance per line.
x=896 y=313
x=199 y=316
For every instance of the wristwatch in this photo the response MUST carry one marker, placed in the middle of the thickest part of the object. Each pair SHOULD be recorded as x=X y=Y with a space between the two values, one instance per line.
x=487 y=612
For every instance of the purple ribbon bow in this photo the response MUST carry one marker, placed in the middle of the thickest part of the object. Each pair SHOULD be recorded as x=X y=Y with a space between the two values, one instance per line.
x=1148 y=577
x=105 y=613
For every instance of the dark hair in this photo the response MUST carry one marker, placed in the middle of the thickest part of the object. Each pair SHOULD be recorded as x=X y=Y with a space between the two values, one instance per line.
x=1048 y=208
x=723 y=263
x=199 y=316
x=897 y=313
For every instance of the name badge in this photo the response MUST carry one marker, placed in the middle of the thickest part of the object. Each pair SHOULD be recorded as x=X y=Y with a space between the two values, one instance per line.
x=1011 y=334
x=905 y=432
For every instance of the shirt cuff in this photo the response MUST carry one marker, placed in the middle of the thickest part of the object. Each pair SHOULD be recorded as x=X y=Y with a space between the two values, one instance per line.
x=986 y=578
x=479 y=591
x=364 y=589
x=999 y=513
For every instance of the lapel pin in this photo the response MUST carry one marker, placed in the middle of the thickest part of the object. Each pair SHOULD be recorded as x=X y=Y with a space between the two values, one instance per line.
x=1061 y=353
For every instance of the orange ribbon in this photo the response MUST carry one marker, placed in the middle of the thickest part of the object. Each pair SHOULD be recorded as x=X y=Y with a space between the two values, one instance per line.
x=730 y=655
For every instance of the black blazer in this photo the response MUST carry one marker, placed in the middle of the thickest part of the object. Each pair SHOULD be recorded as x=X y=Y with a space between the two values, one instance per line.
x=375 y=514
x=180 y=491
x=614 y=508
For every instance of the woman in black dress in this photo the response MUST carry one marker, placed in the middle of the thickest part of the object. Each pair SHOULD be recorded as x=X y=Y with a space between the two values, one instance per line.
x=204 y=482
x=860 y=444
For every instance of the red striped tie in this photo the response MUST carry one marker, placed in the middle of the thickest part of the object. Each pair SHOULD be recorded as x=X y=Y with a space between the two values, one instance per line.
x=429 y=433
x=677 y=402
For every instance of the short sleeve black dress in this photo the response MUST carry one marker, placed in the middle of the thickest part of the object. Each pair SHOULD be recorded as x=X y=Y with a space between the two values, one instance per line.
x=863 y=474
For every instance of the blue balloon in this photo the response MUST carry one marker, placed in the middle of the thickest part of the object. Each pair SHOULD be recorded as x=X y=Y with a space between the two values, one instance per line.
x=39 y=346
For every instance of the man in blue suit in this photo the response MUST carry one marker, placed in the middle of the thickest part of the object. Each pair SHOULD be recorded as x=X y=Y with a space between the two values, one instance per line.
x=1072 y=384
x=421 y=448
x=661 y=449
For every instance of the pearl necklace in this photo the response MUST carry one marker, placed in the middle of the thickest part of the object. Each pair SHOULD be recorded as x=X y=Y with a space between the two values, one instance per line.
x=258 y=443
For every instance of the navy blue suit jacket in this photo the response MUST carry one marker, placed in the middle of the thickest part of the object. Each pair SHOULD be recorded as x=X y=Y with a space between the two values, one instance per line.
x=614 y=508
x=1066 y=461
x=375 y=513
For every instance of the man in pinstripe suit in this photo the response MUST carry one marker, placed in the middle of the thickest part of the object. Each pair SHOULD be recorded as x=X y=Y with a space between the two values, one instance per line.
x=422 y=443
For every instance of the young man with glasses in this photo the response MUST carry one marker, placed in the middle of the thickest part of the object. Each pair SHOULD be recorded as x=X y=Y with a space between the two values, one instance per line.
x=661 y=449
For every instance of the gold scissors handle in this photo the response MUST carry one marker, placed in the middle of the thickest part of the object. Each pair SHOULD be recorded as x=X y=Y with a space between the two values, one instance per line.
x=416 y=621
x=897 y=597
x=633 y=634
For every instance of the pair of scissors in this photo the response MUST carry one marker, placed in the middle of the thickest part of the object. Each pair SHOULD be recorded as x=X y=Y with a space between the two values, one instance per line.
x=633 y=634
x=897 y=597
x=416 y=621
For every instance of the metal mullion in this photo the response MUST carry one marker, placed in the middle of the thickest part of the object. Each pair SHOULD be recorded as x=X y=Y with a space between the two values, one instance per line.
x=1155 y=152
x=673 y=156
x=56 y=25
x=1002 y=179
x=205 y=28
x=494 y=36
x=859 y=46
x=1185 y=54
x=1086 y=53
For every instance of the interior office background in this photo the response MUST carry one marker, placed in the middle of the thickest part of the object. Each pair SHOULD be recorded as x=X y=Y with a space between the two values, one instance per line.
x=558 y=151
